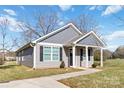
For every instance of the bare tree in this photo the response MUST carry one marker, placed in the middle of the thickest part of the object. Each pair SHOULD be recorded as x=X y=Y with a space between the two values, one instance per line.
x=44 y=24
x=3 y=32
x=6 y=44
x=47 y=23
x=85 y=23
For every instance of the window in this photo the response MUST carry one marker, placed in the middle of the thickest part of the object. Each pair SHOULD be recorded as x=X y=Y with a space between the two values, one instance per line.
x=47 y=53
x=51 y=53
x=55 y=53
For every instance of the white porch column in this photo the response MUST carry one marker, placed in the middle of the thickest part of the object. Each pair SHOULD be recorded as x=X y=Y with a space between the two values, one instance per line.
x=73 y=53
x=101 y=57
x=34 y=56
x=86 y=56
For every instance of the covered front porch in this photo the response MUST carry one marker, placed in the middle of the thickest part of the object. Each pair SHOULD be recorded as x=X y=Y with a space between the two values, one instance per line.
x=83 y=56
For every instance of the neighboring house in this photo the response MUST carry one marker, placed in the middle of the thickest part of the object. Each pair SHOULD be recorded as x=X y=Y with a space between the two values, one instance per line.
x=66 y=44
x=9 y=56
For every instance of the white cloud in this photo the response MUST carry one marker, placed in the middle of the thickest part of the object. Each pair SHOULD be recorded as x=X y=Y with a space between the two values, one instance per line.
x=114 y=40
x=61 y=23
x=92 y=8
x=10 y=12
x=96 y=7
x=22 y=7
x=72 y=9
x=12 y=23
x=65 y=7
x=115 y=35
x=112 y=47
x=99 y=27
x=112 y=9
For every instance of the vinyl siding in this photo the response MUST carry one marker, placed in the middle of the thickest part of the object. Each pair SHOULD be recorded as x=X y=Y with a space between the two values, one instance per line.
x=50 y=64
x=25 y=57
x=90 y=40
x=63 y=36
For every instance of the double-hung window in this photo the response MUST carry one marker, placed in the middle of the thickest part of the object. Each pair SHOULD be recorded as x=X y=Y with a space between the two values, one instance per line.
x=51 y=53
x=55 y=53
x=47 y=53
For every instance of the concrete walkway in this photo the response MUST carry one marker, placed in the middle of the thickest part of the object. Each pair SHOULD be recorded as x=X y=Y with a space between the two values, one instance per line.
x=45 y=82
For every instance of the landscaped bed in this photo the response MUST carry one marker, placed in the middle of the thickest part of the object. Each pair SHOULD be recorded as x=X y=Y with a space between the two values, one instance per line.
x=11 y=71
x=112 y=76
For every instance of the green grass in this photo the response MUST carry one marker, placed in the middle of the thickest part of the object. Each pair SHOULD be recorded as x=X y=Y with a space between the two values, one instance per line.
x=112 y=76
x=10 y=71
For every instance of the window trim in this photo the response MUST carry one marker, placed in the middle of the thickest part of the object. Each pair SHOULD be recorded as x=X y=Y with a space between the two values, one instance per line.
x=54 y=53
x=46 y=53
x=51 y=54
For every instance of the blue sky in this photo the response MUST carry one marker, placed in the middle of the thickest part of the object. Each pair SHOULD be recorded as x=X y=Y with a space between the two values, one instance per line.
x=109 y=26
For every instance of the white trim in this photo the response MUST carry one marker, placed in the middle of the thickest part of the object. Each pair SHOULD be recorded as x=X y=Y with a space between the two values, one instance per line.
x=51 y=54
x=50 y=44
x=47 y=53
x=49 y=34
x=73 y=54
x=98 y=38
x=81 y=37
x=35 y=56
x=86 y=51
x=76 y=28
x=88 y=46
x=101 y=57
x=91 y=32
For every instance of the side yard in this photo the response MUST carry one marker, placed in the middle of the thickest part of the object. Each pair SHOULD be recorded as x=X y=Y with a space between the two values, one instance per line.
x=112 y=76
x=10 y=71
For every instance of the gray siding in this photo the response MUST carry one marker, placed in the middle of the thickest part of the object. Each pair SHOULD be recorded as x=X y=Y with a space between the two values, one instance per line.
x=90 y=40
x=83 y=63
x=50 y=64
x=63 y=36
x=25 y=57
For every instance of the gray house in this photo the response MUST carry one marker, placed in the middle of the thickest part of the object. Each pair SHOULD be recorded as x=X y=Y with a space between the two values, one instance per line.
x=66 y=44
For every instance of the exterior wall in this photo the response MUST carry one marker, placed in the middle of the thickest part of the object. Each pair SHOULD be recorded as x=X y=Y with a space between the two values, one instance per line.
x=25 y=57
x=63 y=36
x=50 y=64
x=83 y=63
x=78 y=63
x=90 y=40
x=65 y=56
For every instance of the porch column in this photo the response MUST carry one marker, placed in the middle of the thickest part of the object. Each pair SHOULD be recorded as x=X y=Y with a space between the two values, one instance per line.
x=73 y=53
x=34 y=57
x=101 y=57
x=86 y=56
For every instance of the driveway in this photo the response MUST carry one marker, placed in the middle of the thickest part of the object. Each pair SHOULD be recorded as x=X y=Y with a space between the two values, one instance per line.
x=45 y=82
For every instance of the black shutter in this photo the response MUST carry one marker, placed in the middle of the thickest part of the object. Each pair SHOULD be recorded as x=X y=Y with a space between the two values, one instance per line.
x=60 y=53
x=41 y=53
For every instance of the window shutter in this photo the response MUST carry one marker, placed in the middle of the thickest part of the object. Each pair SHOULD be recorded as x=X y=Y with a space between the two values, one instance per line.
x=60 y=53
x=41 y=53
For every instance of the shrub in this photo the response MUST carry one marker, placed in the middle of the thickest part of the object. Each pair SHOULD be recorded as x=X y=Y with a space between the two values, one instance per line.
x=1 y=61
x=94 y=65
x=62 y=65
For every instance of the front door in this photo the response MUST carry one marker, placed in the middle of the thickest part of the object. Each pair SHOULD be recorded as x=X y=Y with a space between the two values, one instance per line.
x=70 y=57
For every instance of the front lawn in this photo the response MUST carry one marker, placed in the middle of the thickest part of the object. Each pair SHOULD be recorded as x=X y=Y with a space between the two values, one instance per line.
x=112 y=76
x=11 y=71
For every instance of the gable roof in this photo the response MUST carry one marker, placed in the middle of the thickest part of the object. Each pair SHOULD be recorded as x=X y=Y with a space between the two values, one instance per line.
x=73 y=40
x=92 y=32
x=58 y=30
